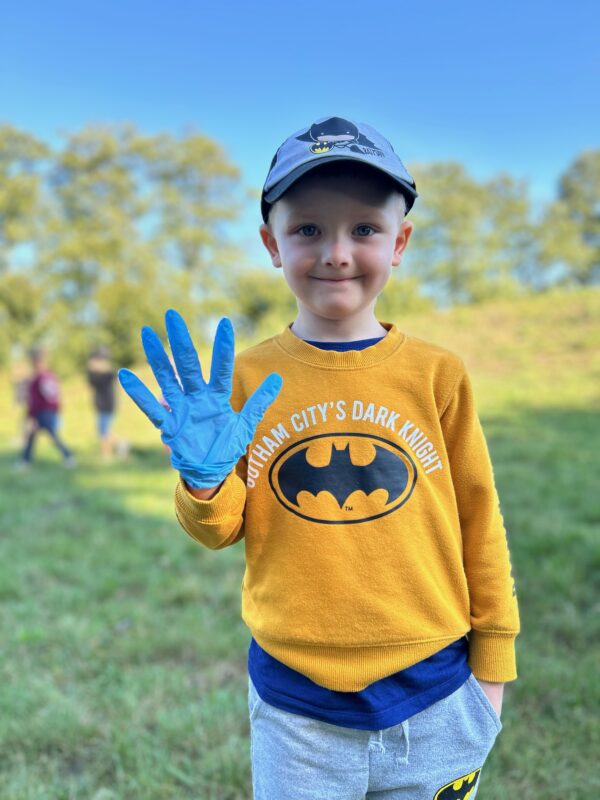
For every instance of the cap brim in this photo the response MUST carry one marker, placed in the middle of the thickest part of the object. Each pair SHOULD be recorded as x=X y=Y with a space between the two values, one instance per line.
x=408 y=190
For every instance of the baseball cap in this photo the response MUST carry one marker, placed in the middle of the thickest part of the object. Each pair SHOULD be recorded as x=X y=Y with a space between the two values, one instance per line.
x=333 y=139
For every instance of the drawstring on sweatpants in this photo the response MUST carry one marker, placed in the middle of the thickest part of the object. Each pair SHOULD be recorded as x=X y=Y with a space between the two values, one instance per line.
x=401 y=759
x=404 y=759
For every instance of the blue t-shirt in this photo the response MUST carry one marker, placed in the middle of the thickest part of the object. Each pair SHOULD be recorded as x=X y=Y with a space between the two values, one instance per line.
x=386 y=702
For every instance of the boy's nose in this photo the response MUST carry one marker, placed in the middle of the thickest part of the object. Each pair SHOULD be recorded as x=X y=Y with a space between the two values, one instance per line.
x=336 y=253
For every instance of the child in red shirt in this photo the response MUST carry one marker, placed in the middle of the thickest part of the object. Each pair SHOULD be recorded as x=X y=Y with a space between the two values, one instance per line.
x=43 y=406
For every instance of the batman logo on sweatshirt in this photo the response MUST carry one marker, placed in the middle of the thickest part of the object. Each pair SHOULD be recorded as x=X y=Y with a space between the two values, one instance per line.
x=343 y=478
x=460 y=788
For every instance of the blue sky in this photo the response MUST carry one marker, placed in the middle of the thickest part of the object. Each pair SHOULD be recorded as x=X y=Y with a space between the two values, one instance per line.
x=509 y=86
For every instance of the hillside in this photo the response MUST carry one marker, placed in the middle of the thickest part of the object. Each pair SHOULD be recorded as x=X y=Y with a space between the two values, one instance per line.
x=520 y=351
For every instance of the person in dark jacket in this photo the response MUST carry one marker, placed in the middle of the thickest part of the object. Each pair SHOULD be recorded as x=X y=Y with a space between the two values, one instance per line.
x=101 y=377
x=43 y=407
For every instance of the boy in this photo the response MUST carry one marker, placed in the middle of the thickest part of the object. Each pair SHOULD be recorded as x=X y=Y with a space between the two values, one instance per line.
x=378 y=584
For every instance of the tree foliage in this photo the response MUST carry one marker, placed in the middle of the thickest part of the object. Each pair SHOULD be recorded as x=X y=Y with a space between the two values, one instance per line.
x=112 y=226
x=22 y=160
x=103 y=232
x=570 y=236
x=472 y=240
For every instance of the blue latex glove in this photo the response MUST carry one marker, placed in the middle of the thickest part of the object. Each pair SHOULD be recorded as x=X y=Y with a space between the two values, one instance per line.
x=207 y=438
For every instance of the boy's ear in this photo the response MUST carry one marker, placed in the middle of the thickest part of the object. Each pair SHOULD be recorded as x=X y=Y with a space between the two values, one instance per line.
x=401 y=241
x=270 y=242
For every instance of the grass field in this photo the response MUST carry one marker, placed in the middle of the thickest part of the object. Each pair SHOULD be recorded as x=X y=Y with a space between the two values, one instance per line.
x=122 y=653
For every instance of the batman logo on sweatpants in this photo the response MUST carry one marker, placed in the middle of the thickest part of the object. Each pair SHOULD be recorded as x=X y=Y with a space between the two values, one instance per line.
x=343 y=478
x=460 y=788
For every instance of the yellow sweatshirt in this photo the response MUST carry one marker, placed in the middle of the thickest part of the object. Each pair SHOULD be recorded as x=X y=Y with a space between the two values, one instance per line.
x=367 y=504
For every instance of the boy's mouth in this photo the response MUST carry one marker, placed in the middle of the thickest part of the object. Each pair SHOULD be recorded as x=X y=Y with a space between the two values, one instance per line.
x=337 y=280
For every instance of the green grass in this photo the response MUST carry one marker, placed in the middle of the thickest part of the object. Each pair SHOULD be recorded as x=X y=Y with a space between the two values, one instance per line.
x=122 y=653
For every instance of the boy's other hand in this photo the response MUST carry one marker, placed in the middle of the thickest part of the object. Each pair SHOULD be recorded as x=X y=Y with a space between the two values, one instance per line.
x=494 y=693
x=207 y=438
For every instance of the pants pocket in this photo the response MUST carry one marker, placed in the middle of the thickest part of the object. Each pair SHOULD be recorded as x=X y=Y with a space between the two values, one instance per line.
x=484 y=701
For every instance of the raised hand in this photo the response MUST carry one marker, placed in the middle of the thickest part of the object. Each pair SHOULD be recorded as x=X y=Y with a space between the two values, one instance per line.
x=206 y=436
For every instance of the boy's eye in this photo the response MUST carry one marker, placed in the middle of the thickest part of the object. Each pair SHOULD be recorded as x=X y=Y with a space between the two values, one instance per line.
x=364 y=230
x=308 y=230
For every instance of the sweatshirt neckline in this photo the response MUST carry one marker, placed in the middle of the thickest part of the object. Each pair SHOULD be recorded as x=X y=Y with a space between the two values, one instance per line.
x=341 y=359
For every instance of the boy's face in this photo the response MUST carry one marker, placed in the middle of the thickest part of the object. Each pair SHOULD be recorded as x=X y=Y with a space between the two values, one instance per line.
x=336 y=240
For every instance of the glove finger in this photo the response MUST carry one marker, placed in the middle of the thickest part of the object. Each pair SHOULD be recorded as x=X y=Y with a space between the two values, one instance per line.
x=161 y=367
x=184 y=353
x=144 y=399
x=221 y=366
x=258 y=402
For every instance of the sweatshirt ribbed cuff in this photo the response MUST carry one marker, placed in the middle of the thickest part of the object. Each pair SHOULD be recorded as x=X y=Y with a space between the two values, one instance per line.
x=228 y=500
x=492 y=656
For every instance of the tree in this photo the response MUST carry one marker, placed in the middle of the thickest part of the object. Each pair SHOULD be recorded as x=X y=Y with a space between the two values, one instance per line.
x=20 y=303
x=570 y=233
x=472 y=240
x=139 y=217
x=22 y=208
x=22 y=160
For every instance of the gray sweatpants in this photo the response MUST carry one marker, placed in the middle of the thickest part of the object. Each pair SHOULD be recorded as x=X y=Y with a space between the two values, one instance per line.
x=436 y=754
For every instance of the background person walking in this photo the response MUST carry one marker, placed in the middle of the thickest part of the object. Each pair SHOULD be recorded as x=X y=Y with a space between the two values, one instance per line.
x=43 y=406
x=101 y=378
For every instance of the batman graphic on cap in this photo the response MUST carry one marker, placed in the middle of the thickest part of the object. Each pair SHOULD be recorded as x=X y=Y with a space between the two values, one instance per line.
x=335 y=132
